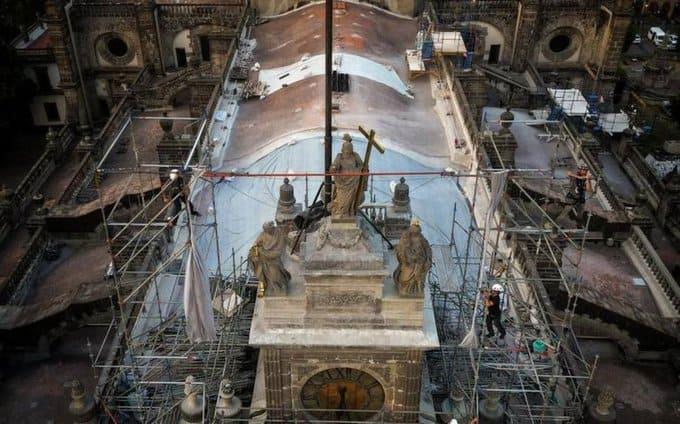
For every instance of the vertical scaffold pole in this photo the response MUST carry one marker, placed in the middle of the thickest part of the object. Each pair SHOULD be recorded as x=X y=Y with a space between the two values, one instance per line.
x=328 y=138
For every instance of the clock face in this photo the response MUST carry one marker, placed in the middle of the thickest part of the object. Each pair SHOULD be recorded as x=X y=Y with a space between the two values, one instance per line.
x=342 y=394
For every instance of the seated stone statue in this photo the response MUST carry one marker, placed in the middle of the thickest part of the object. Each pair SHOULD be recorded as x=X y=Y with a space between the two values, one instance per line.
x=264 y=258
x=344 y=203
x=415 y=259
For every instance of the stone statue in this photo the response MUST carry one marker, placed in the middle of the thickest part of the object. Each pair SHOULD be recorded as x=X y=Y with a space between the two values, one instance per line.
x=344 y=202
x=415 y=259
x=265 y=259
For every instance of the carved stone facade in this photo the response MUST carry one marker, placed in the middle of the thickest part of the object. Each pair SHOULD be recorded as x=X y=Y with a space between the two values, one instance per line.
x=552 y=34
x=109 y=44
x=288 y=369
x=334 y=323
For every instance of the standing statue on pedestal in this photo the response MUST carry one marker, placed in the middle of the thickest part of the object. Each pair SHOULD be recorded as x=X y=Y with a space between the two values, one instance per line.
x=344 y=203
x=264 y=258
x=415 y=259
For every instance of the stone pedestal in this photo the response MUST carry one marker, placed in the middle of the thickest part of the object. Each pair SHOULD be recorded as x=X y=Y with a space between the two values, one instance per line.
x=200 y=88
x=342 y=317
x=344 y=274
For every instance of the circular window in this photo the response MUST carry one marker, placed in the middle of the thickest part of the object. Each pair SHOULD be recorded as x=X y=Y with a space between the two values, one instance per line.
x=560 y=43
x=117 y=47
x=342 y=394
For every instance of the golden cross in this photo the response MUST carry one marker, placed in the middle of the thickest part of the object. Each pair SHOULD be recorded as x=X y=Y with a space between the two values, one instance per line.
x=363 y=182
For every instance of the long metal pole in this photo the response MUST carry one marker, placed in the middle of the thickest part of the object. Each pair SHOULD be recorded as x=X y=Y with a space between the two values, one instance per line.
x=328 y=140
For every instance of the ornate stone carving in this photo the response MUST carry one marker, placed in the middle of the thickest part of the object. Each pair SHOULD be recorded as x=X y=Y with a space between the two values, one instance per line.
x=115 y=48
x=264 y=258
x=415 y=259
x=345 y=299
x=344 y=239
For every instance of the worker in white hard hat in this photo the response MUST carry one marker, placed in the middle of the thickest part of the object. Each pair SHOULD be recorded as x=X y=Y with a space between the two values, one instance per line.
x=492 y=301
x=179 y=193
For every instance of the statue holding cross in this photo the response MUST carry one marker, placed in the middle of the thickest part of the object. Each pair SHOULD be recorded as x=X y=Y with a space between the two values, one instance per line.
x=348 y=190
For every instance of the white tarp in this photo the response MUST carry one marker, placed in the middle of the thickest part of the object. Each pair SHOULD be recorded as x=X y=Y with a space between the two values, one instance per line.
x=197 y=303
x=498 y=182
x=448 y=43
x=350 y=64
x=614 y=123
x=570 y=100
x=243 y=203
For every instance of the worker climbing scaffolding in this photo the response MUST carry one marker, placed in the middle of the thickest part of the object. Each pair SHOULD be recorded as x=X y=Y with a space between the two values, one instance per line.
x=580 y=185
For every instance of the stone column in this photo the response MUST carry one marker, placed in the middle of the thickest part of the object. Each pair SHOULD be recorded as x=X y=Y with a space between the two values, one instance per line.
x=148 y=36
x=621 y=11
x=219 y=50
x=60 y=38
x=201 y=89
x=526 y=35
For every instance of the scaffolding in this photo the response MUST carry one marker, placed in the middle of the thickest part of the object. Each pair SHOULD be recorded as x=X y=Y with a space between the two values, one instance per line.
x=147 y=355
x=525 y=249
x=152 y=356
x=533 y=387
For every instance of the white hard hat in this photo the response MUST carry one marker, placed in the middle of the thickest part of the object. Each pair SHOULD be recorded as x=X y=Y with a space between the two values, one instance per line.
x=497 y=287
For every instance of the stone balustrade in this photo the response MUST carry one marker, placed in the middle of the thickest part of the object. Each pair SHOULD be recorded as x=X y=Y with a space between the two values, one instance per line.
x=656 y=266
x=642 y=168
x=10 y=284
x=85 y=168
x=226 y=13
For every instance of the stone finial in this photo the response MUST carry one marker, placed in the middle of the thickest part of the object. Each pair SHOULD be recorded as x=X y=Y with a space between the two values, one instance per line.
x=191 y=408
x=605 y=400
x=50 y=137
x=228 y=404
x=602 y=411
x=457 y=405
x=286 y=197
x=85 y=144
x=506 y=118
x=490 y=409
x=82 y=406
x=166 y=125
x=6 y=195
x=401 y=199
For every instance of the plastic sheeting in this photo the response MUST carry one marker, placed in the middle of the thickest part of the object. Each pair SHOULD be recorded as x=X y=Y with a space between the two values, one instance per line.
x=351 y=64
x=200 y=320
x=498 y=182
x=449 y=42
x=243 y=204
x=570 y=100
x=614 y=123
